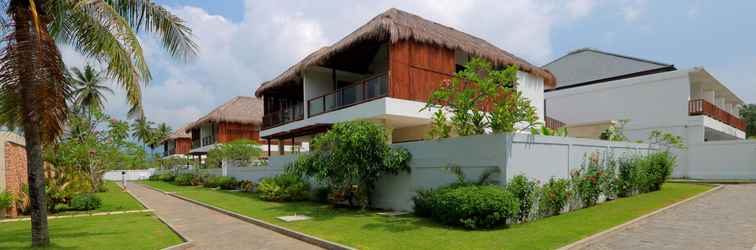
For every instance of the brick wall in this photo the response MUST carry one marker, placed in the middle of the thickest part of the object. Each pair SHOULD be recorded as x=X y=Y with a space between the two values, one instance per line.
x=15 y=170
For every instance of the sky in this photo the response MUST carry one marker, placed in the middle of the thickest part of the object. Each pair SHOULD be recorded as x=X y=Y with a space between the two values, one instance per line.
x=244 y=43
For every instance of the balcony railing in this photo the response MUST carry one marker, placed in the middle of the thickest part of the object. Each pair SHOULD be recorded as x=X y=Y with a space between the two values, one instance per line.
x=287 y=115
x=703 y=107
x=366 y=90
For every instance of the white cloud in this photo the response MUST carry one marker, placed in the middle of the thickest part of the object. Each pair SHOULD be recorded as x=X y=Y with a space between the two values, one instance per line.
x=235 y=57
x=633 y=9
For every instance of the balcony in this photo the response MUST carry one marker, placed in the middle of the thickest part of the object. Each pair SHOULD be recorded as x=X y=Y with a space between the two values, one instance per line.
x=703 y=107
x=363 y=91
x=553 y=123
x=286 y=115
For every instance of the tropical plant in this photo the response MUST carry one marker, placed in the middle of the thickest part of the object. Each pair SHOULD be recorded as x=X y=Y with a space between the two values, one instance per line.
x=554 y=196
x=162 y=131
x=350 y=158
x=474 y=207
x=485 y=177
x=666 y=141
x=285 y=187
x=85 y=202
x=241 y=151
x=614 y=132
x=748 y=113
x=143 y=130
x=33 y=87
x=526 y=193
x=480 y=98
x=89 y=92
x=7 y=200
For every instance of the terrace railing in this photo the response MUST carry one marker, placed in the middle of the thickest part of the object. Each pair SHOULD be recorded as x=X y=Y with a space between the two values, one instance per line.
x=287 y=115
x=703 y=107
x=363 y=91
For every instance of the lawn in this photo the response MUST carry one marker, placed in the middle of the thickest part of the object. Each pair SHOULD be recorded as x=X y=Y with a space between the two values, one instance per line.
x=114 y=199
x=365 y=230
x=125 y=231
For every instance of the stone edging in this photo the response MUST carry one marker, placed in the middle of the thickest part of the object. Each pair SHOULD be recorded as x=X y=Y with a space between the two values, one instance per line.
x=81 y=215
x=591 y=239
x=293 y=234
x=183 y=245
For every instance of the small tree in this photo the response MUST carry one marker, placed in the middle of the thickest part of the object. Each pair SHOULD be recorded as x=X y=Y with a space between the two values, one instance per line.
x=350 y=158
x=480 y=98
x=748 y=113
x=666 y=141
x=243 y=151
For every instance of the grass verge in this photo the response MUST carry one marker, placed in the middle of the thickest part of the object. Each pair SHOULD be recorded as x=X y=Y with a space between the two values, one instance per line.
x=124 y=231
x=365 y=230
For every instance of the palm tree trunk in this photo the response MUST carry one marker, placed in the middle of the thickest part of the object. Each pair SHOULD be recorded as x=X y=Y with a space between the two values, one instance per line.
x=32 y=133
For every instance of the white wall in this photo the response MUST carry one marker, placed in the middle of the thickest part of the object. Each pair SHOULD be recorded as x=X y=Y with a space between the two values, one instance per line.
x=131 y=175
x=722 y=160
x=532 y=88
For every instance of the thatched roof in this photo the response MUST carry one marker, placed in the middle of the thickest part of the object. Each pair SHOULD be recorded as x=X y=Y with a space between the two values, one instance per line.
x=395 y=25
x=178 y=134
x=241 y=109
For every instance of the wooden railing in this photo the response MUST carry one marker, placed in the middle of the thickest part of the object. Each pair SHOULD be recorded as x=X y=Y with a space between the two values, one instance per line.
x=553 y=123
x=287 y=115
x=703 y=107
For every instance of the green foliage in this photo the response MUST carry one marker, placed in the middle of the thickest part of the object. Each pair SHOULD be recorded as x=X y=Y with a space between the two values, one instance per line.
x=629 y=176
x=554 y=196
x=321 y=194
x=474 y=207
x=543 y=130
x=243 y=151
x=285 y=187
x=167 y=177
x=222 y=182
x=596 y=176
x=666 y=140
x=484 y=178
x=246 y=186
x=657 y=167
x=184 y=179
x=614 y=132
x=423 y=203
x=525 y=191
x=748 y=113
x=6 y=200
x=480 y=98
x=85 y=202
x=349 y=159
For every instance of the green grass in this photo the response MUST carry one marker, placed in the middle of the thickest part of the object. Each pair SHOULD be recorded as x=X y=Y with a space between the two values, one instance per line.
x=365 y=230
x=125 y=231
x=114 y=199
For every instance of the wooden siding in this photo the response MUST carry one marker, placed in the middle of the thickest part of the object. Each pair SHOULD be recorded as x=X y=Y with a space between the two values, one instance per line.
x=416 y=69
x=183 y=145
x=228 y=132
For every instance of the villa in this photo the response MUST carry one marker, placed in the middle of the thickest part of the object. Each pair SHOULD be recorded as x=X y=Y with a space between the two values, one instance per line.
x=177 y=144
x=384 y=72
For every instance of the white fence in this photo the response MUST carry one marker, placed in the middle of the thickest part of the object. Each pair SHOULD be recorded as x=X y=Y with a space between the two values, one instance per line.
x=720 y=160
x=538 y=157
x=131 y=175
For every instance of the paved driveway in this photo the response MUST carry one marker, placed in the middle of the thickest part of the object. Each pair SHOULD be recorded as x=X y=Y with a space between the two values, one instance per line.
x=724 y=219
x=208 y=229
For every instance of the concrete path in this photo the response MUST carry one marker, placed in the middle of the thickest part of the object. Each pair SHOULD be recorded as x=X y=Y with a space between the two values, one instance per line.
x=724 y=219
x=208 y=229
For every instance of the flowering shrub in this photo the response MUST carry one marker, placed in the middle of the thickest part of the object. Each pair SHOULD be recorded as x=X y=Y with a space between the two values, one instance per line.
x=525 y=191
x=554 y=196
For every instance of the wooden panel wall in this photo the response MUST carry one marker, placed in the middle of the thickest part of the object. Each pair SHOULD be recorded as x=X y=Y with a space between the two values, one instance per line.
x=183 y=145
x=416 y=69
x=228 y=132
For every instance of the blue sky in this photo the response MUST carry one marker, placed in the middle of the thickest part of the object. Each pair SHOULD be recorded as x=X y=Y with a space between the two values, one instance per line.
x=246 y=42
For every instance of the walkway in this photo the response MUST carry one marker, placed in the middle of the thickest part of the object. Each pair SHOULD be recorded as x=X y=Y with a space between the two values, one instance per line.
x=724 y=219
x=208 y=229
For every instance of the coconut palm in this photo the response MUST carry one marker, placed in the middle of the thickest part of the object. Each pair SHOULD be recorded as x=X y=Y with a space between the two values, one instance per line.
x=89 y=95
x=142 y=130
x=33 y=86
x=161 y=132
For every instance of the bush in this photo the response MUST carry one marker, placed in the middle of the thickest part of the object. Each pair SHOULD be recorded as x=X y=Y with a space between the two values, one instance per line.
x=629 y=176
x=199 y=179
x=423 y=203
x=474 y=207
x=6 y=200
x=184 y=179
x=167 y=177
x=285 y=187
x=656 y=168
x=222 y=182
x=525 y=192
x=586 y=181
x=154 y=177
x=247 y=186
x=321 y=194
x=554 y=196
x=85 y=202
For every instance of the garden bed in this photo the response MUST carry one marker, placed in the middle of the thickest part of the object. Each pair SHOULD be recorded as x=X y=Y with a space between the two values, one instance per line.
x=366 y=230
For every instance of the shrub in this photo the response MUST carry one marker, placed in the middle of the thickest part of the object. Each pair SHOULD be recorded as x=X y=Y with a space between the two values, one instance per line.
x=321 y=194
x=525 y=192
x=554 y=196
x=423 y=203
x=474 y=207
x=6 y=200
x=247 y=186
x=184 y=179
x=167 y=177
x=285 y=187
x=154 y=177
x=199 y=179
x=657 y=168
x=222 y=182
x=586 y=180
x=629 y=176
x=85 y=202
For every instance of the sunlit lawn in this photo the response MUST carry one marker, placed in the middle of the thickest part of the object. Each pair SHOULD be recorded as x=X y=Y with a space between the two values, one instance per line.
x=124 y=231
x=365 y=230
x=114 y=199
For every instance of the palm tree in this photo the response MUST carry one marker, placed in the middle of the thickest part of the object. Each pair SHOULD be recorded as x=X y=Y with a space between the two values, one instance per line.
x=89 y=93
x=161 y=132
x=33 y=87
x=142 y=129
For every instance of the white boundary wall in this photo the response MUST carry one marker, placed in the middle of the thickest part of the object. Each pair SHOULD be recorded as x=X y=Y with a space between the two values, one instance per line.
x=131 y=175
x=538 y=157
x=721 y=160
